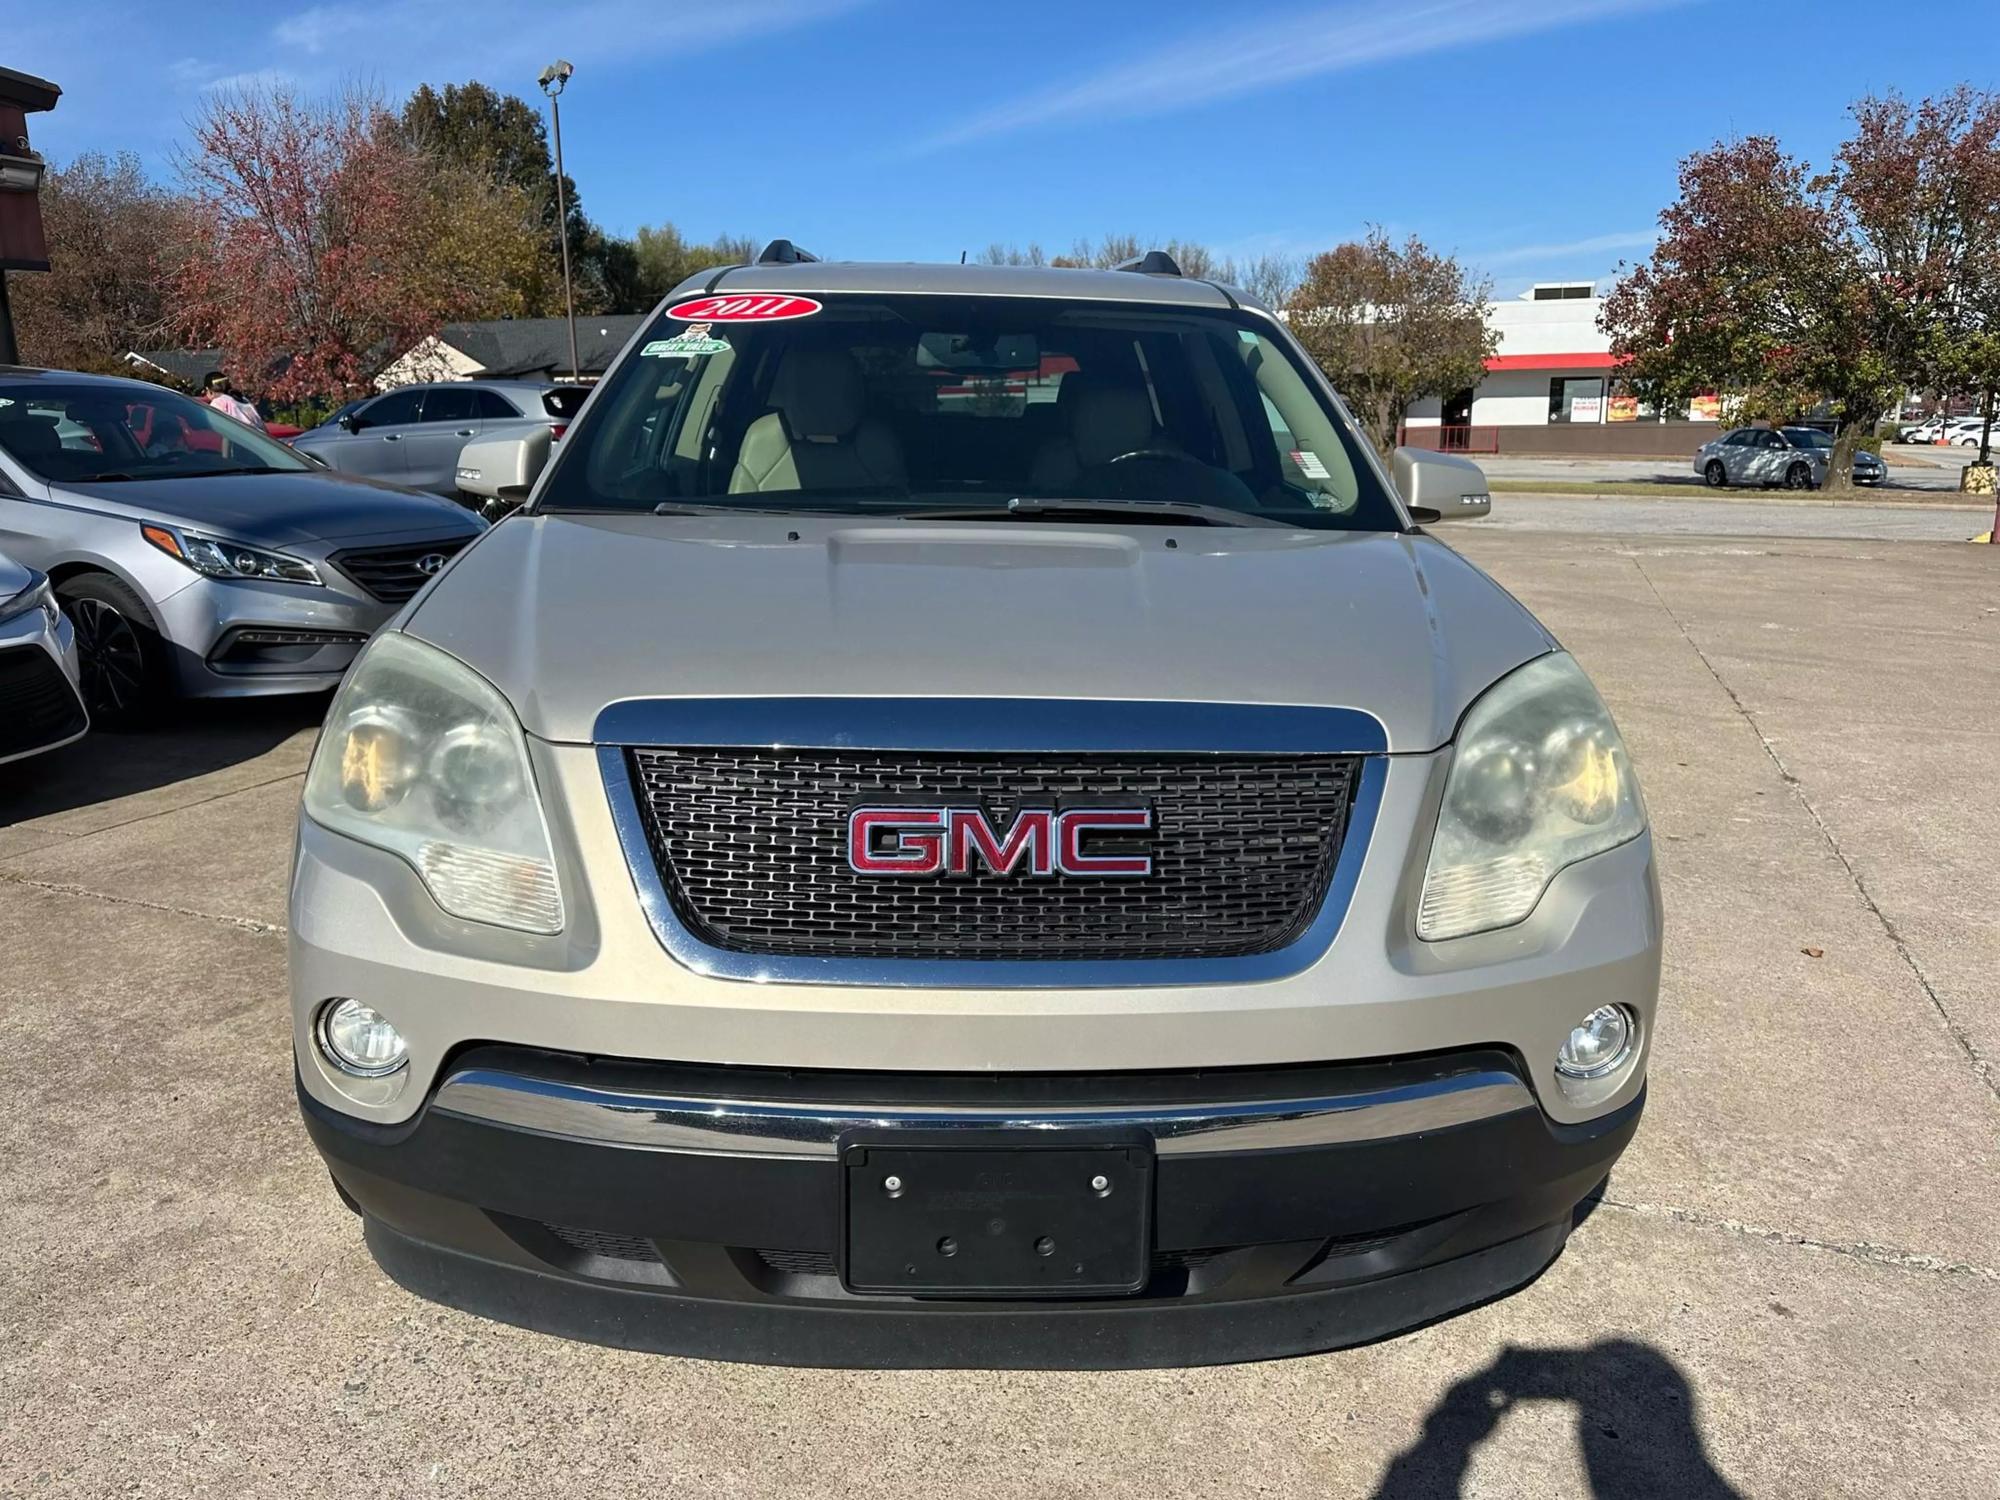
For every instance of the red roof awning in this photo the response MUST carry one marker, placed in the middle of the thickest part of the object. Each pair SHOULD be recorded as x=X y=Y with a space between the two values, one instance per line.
x=1602 y=360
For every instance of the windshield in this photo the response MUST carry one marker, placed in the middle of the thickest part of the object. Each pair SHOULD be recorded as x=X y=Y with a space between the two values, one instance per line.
x=1809 y=437
x=866 y=404
x=79 y=433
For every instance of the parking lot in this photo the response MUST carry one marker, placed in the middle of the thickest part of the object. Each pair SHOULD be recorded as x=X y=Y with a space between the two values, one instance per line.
x=1790 y=1288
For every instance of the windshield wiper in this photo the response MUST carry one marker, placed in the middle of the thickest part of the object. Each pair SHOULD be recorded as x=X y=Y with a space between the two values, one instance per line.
x=1164 y=512
x=114 y=477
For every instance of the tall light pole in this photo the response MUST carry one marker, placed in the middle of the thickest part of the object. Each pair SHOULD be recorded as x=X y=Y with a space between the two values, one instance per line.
x=554 y=76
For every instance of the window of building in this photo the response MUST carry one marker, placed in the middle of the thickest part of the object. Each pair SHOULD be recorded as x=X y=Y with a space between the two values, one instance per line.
x=1576 y=399
x=1567 y=292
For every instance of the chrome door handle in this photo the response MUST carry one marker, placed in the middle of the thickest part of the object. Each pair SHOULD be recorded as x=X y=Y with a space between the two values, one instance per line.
x=468 y=432
x=392 y=437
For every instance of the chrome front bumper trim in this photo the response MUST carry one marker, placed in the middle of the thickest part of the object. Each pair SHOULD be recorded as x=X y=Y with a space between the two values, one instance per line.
x=748 y=1127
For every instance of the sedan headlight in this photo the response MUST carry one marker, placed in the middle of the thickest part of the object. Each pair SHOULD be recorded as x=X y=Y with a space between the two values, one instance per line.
x=39 y=594
x=422 y=756
x=214 y=558
x=1540 y=780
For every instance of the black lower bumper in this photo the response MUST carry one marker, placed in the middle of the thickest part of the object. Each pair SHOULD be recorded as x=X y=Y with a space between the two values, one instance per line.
x=1253 y=1254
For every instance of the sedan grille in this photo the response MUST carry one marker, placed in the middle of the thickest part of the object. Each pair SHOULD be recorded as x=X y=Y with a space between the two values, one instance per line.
x=751 y=846
x=394 y=574
x=38 y=707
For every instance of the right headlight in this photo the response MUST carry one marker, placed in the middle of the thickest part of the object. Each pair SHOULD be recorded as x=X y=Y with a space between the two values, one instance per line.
x=422 y=756
x=1539 y=780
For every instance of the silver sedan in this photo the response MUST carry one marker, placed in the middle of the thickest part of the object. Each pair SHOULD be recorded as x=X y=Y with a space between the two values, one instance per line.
x=194 y=555
x=39 y=706
x=1795 y=457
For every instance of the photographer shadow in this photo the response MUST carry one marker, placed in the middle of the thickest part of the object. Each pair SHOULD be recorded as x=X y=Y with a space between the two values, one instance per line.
x=1634 y=1414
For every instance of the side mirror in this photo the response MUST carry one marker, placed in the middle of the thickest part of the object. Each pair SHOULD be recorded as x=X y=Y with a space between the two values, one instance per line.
x=1440 y=486
x=349 y=422
x=504 y=469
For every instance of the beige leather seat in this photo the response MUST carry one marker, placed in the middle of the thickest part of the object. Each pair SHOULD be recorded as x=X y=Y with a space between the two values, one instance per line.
x=1106 y=417
x=819 y=435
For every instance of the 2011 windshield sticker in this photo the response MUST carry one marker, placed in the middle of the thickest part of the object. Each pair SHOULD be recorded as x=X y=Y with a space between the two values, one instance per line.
x=1310 y=464
x=690 y=343
x=744 y=307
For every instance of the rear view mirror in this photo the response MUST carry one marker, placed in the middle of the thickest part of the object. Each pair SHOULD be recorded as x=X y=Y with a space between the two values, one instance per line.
x=349 y=422
x=1440 y=486
x=506 y=468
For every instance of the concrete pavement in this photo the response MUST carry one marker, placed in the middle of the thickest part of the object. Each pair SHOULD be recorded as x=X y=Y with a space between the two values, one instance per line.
x=1911 y=467
x=1707 y=515
x=1790 y=1289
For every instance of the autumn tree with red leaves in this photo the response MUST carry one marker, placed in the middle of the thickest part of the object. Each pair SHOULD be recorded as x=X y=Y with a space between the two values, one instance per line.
x=325 y=244
x=1791 y=290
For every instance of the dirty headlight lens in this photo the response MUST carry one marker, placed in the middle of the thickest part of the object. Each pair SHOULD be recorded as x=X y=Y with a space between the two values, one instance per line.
x=1539 y=780
x=423 y=757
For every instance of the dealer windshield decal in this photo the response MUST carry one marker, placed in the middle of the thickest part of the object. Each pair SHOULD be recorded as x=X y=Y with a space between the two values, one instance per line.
x=741 y=307
x=690 y=344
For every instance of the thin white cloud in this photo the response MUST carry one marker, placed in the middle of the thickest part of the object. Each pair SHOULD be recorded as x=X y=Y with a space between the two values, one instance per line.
x=1255 y=55
x=1597 y=244
x=256 y=81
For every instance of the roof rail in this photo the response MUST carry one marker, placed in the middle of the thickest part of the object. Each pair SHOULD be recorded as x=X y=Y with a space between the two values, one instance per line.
x=784 y=253
x=1152 y=263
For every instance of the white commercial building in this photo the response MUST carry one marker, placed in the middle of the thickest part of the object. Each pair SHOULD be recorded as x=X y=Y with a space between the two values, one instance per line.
x=1553 y=369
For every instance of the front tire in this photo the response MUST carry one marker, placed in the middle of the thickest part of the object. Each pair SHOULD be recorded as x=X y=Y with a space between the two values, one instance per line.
x=1798 y=477
x=1716 y=475
x=119 y=649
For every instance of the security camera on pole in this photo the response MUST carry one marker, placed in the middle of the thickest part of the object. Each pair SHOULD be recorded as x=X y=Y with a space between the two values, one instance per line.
x=552 y=79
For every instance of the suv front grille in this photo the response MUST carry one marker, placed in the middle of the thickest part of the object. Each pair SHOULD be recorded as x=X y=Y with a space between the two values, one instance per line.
x=37 y=705
x=751 y=848
x=392 y=574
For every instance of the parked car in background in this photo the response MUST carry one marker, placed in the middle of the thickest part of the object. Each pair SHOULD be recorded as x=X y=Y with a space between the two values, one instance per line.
x=39 y=703
x=195 y=555
x=1966 y=432
x=412 y=435
x=1795 y=457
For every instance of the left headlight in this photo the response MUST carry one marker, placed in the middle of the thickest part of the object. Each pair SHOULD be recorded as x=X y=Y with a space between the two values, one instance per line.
x=214 y=558
x=1539 y=780
x=422 y=757
x=39 y=594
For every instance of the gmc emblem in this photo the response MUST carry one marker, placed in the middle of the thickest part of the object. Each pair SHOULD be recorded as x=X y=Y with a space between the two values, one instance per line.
x=924 y=842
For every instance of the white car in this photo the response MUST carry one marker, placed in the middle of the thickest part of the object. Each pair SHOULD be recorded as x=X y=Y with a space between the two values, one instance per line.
x=1966 y=432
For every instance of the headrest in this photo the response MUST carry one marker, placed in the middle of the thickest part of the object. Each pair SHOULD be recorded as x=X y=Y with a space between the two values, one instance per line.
x=29 y=437
x=820 y=393
x=1107 y=417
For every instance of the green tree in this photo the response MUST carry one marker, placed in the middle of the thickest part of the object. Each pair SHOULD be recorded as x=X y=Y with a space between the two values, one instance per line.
x=666 y=257
x=1392 y=324
x=1797 y=291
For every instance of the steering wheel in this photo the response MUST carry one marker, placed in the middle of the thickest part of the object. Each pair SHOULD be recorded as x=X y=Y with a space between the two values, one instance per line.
x=1165 y=453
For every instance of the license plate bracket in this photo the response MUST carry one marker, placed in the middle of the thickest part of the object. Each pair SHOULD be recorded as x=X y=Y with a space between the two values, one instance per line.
x=997 y=1214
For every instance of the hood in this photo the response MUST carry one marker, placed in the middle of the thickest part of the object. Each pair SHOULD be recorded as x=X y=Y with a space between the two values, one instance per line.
x=277 y=508
x=567 y=614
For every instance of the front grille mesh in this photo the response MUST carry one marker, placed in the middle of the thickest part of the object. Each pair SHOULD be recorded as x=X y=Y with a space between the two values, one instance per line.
x=602 y=1243
x=751 y=848
x=37 y=705
x=391 y=574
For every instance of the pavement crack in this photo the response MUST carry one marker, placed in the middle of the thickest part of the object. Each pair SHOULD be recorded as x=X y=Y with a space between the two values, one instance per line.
x=65 y=888
x=62 y=840
x=1864 y=1250
x=1981 y=1068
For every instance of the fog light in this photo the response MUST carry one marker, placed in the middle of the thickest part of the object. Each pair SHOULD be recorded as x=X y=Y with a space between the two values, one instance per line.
x=1597 y=1045
x=358 y=1039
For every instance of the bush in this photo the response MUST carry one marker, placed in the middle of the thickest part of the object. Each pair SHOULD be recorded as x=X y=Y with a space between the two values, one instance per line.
x=1886 y=432
x=1871 y=444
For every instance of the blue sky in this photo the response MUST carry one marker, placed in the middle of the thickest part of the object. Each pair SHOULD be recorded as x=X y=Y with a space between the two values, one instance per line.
x=1536 y=139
